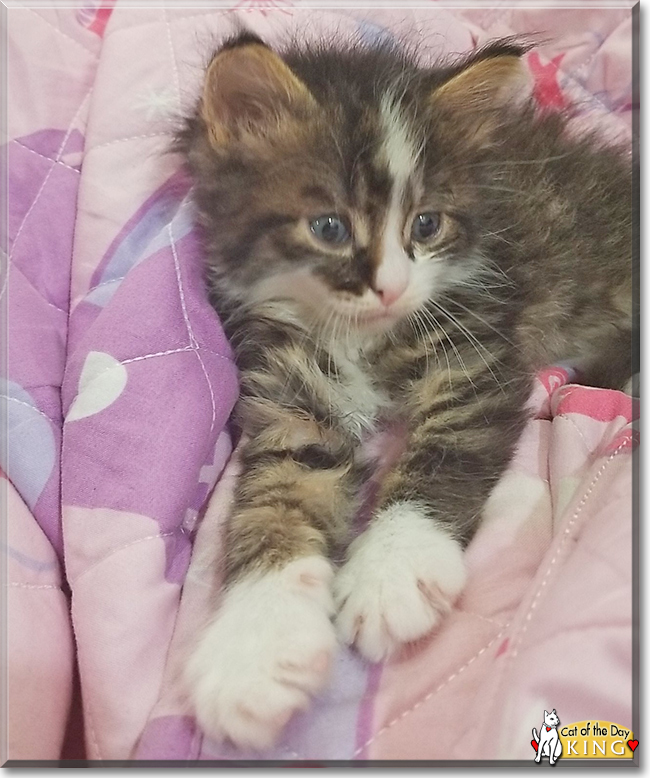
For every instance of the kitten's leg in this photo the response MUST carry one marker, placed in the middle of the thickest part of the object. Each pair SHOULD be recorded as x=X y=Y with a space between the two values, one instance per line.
x=271 y=641
x=404 y=572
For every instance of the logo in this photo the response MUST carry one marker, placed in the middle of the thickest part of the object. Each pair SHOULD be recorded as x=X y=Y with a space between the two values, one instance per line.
x=582 y=740
x=548 y=742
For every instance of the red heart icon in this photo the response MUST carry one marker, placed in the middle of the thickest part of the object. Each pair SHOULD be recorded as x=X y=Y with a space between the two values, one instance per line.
x=534 y=744
x=633 y=744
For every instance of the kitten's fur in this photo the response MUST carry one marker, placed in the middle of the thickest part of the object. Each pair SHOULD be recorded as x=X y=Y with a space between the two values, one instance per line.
x=532 y=263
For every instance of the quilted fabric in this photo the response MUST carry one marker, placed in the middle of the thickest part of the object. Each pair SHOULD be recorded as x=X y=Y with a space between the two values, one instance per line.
x=120 y=382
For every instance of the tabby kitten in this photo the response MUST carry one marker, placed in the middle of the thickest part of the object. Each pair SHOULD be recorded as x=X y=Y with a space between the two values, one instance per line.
x=384 y=240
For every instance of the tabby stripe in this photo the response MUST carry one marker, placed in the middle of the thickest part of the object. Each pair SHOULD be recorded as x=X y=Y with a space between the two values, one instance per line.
x=316 y=520
x=312 y=456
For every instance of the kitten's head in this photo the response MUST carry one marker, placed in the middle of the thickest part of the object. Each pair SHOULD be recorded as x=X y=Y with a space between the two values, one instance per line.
x=346 y=182
x=551 y=719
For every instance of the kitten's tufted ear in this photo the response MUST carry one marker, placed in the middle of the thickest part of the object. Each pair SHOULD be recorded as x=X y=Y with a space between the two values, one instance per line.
x=492 y=76
x=490 y=80
x=249 y=90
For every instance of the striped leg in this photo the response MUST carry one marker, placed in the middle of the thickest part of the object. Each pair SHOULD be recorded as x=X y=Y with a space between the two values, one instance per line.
x=270 y=643
x=404 y=572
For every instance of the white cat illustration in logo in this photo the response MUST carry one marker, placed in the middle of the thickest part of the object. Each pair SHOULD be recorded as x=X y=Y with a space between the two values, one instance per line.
x=548 y=742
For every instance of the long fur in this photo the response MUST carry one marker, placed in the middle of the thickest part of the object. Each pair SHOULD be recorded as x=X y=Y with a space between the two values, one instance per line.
x=540 y=219
x=532 y=263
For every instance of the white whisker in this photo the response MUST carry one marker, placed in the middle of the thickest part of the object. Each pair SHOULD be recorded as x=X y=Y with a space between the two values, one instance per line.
x=487 y=324
x=472 y=339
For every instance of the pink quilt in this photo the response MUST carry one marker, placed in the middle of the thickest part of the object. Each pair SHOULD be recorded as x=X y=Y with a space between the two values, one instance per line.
x=119 y=385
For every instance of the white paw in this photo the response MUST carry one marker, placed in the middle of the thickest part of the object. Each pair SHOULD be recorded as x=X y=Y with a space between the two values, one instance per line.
x=268 y=649
x=402 y=576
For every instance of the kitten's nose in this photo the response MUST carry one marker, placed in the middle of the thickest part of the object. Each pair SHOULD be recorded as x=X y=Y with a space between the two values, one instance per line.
x=390 y=293
x=392 y=277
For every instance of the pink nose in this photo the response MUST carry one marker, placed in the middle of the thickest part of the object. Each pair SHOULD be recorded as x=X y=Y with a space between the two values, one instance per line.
x=390 y=294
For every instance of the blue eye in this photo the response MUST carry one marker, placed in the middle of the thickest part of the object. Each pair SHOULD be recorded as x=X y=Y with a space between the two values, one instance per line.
x=330 y=229
x=425 y=226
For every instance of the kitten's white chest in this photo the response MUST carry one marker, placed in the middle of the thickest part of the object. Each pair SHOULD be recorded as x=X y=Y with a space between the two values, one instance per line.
x=354 y=395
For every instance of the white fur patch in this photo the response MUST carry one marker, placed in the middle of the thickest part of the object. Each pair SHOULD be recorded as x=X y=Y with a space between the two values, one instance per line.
x=398 y=149
x=402 y=576
x=394 y=271
x=268 y=649
x=355 y=397
x=398 y=152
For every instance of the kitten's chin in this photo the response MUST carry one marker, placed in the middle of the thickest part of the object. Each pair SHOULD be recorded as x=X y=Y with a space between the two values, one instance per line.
x=375 y=323
x=377 y=317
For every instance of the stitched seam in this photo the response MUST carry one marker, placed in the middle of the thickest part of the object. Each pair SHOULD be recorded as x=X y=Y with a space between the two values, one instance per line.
x=114 y=551
x=566 y=417
x=150 y=356
x=494 y=622
x=172 y=56
x=45 y=180
x=103 y=283
x=578 y=72
x=565 y=537
x=65 y=34
x=107 y=283
x=31 y=208
x=430 y=694
x=27 y=405
x=135 y=359
x=40 y=294
x=193 y=341
x=210 y=389
x=181 y=291
x=130 y=137
x=20 y=585
x=173 y=351
x=158 y=354
x=42 y=156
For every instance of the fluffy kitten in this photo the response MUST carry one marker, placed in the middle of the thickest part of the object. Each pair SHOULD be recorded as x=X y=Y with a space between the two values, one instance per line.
x=383 y=240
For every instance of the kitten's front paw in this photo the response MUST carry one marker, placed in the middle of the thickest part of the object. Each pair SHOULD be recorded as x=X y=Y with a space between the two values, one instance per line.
x=268 y=649
x=402 y=576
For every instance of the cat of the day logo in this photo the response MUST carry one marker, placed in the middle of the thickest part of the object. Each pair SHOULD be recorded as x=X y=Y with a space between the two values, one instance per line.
x=582 y=740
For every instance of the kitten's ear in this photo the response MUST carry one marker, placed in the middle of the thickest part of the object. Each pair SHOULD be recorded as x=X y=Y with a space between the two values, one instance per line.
x=249 y=89
x=545 y=713
x=492 y=79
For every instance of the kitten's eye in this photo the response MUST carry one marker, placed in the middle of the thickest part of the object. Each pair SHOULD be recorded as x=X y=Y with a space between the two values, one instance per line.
x=425 y=226
x=330 y=229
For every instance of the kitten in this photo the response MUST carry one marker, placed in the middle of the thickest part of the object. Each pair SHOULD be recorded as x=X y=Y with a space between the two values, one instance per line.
x=383 y=239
